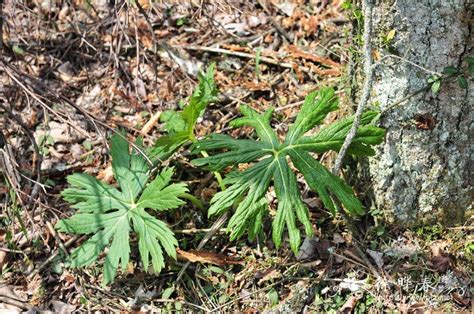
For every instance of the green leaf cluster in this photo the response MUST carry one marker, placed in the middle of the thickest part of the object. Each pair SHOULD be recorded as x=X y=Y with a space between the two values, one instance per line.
x=180 y=125
x=270 y=163
x=109 y=214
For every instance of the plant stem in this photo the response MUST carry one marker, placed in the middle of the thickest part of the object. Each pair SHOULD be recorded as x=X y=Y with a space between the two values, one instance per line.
x=216 y=174
x=197 y=202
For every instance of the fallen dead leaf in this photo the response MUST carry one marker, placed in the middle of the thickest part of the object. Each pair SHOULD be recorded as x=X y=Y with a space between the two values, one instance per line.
x=207 y=257
x=307 y=249
x=62 y=308
x=297 y=53
x=349 y=305
x=338 y=239
x=287 y=7
x=323 y=249
x=11 y=301
x=238 y=48
x=106 y=175
x=252 y=86
x=441 y=263
x=377 y=257
x=311 y=246
x=459 y=299
x=269 y=274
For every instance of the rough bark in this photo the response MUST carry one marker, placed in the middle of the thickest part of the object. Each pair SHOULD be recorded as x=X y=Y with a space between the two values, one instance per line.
x=423 y=171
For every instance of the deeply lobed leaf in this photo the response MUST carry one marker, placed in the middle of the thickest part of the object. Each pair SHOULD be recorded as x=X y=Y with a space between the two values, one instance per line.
x=109 y=214
x=248 y=188
x=315 y=108
x=332 y=137
x=261 y=124
x=239 y=151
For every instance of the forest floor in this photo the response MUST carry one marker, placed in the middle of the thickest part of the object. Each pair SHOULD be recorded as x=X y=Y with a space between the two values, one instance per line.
x=73 y=71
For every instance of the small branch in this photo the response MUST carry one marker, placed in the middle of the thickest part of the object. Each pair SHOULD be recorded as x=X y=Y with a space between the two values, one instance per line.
x=216 y=226
x=410 y=62
x=51 y=258
x=245 y=55
x=195 y=230
x=150 y=123
x=16 y=303
x=407 y=97
x=369 y=75
x=369 y=71
x=57 y=238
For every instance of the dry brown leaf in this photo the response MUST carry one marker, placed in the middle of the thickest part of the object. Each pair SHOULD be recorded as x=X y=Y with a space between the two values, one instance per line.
x=131 y=100
x=459 y=299
x=236 y=48
x=62 y=307
x=441 y=263
x=307 y=249
x=297 y=53
x=206 y=257
x=260 y=86
x=106 y=175
x=269 y=274
x=145 y=4
x=310 y=25
x=377 y=257
x=349 y=305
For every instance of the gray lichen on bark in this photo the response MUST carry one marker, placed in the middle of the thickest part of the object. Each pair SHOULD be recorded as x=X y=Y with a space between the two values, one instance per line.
x=424 y=173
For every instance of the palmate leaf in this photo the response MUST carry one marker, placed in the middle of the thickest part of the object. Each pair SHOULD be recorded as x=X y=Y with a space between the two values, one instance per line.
x=270 y=160
x=109 y=214
x=181 y=128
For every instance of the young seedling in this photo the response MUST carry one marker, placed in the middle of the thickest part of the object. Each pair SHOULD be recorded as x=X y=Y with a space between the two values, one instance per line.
x=110 y=213
x=180 y=125
x=270 y=159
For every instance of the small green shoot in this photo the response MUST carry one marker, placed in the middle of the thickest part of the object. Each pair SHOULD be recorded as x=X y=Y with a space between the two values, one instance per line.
x=435 y=82
x=180 y=125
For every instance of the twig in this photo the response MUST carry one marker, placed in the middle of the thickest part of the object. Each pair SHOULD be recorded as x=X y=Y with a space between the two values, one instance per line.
x=94 y=121
x=150 y=123
x=410 y=62
x=57 y=238
x=38 y=160
x=369 y=72
x=206 y=310
x=295 y=104
x=244 y=55
x=17 y=303
x=44 y=105
x=51 y=258
x=196 y=230
x=407 y=97
x=355 y=232
x=214 y=229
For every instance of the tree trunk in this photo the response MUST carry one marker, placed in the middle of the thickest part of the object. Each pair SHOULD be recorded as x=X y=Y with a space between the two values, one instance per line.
x=422 y=172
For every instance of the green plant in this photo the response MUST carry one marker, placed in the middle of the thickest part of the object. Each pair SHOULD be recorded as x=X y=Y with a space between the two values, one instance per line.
x=451 y=71
x=109 y=214
x=180 y=125
x=271 y=163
